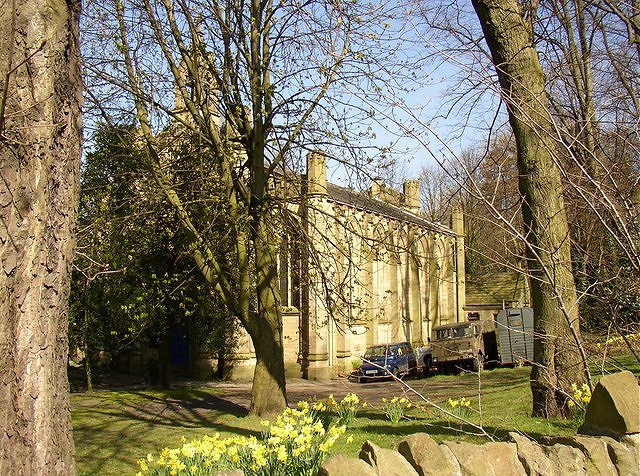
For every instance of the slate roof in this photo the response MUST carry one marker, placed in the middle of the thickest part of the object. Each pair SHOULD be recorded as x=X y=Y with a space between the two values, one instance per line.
x=363 y=201
x=495 y=288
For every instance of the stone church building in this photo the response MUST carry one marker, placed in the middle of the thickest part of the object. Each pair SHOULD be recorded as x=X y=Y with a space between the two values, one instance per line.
x=364 y=268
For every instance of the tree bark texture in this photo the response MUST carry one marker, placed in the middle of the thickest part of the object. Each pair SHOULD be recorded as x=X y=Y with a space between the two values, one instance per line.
x=266 y=329
x=40 y=137
x=557 y=359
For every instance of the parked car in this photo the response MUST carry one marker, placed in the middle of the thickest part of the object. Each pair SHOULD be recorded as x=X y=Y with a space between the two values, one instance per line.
x=507 y=340
x=463 y=345
x=385 y=360
x=424 y=359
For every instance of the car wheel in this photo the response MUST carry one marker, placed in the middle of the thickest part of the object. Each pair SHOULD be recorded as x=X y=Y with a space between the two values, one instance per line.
x=427 y=367
x=413 y=371
x=477 y=365
x=396 y=372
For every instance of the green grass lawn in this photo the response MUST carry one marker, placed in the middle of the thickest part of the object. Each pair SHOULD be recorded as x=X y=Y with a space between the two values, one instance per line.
x=113 y=429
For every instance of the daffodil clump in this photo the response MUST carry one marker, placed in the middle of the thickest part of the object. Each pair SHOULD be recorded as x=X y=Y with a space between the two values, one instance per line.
x=295 y=443
x=347 y=409
x=461 y=407
x=578 y=401
x=197 y=457
x=343 y=412
x=581 y=395
x=619 y=341
x=395 y=408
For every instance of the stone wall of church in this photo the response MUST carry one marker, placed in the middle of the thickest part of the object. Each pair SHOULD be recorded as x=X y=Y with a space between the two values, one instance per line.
x=373 y=279
x=369 y=276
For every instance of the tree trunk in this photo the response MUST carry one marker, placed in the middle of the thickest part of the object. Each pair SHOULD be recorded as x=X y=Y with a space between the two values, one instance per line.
x=268 y=396
x=578 y=56
x=557 y=359
x=85 y=337
x=40 y=135
x=269 y=386
x=87 y=367
x=164 y=357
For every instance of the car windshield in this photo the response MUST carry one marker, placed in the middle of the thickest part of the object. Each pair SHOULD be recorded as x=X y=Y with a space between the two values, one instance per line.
x=454 y=332
x=377 y=351
x=462 y=331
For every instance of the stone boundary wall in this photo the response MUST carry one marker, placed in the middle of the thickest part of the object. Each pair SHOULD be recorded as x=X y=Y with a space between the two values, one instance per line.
x=607 y=444
x=419 y=454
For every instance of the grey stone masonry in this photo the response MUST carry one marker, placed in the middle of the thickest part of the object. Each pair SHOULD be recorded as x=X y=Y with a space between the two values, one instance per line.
x=614 y=408
x=611 y=448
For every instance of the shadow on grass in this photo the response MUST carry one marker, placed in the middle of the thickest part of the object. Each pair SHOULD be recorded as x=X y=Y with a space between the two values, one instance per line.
x=112 y=428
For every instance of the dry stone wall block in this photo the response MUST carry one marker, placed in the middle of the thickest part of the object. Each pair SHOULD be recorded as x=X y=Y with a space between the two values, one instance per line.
x=386 y=462
x=632 y=443
x=569 y=460
x=614 y=408
x=500 y=459
x=596 y=452
x=426 y=456
x=533 y=457
x=340 y=465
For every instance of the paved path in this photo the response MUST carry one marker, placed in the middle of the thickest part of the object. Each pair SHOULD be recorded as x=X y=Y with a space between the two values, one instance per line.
x=299 y=389
x=235 y=397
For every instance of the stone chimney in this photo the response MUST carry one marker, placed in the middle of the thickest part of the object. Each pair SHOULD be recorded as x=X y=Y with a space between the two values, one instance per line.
x=208 y=101
x=316 y=173
x=411 y=195
x=377 y=188
x=179 y=108
x=457 y=221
